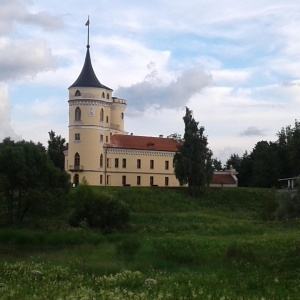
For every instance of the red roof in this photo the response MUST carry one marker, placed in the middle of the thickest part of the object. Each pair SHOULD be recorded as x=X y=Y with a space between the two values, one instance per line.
x=142 y=143
x=222 y=178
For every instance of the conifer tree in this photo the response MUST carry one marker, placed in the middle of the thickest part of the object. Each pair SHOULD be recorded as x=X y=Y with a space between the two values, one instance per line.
x=193 y=161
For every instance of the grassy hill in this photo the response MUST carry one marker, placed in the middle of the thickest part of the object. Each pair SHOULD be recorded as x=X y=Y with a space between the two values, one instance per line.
x=215 y=244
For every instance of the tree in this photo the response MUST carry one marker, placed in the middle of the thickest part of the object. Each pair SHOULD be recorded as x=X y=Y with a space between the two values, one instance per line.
x=56 y=146
x=193 y=161
x=27 y=178
x=235 y=161
x=217 y=164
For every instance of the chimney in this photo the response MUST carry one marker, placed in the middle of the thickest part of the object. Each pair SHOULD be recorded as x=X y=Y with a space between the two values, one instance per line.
x=161 y=135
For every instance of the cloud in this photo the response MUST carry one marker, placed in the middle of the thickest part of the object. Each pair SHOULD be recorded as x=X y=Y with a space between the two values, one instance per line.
x=174 y=94
x=5 y=111
x=252 y=130
x=19 y=59
x=14 y=12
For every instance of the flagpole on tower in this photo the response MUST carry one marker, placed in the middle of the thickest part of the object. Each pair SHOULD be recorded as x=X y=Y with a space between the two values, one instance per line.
x=88 y=37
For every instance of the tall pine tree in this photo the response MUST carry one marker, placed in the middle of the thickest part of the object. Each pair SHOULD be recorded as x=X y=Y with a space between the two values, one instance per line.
x=193 y=162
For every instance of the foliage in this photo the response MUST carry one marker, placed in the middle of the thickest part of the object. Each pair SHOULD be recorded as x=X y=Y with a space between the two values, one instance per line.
x=217 y=165
x=270 y=161
x=56 y=146
x=101 y=211
x=28 y=179
x=193 y=161
x=192 y=248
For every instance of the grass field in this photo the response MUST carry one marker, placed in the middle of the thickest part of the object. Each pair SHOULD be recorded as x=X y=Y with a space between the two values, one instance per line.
x=213 y=245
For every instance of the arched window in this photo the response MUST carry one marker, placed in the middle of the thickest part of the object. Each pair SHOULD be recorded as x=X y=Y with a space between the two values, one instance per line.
x=77 y=114
x=106 y=119
x=103 y=95
x=122 y=116
x=101 y=115
x=76 y=160
x=77 y=93
x=101 y=160
x=107 y=96
x=76 y=179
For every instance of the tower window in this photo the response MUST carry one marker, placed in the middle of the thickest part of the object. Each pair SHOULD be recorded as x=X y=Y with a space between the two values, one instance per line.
x=107 y=96
x=122 y=116
x=77 y=136
x=101 y=160
x=77 y=93
x=106 y=119
x=101 y=115
x=103 y=95
x=77 y=114
x=101 y=138
x=77 y=160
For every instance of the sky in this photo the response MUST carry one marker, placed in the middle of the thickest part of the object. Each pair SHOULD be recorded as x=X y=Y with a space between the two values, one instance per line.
x=235 y=64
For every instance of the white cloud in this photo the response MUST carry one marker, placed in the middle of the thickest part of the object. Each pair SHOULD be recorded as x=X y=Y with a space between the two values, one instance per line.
x=6 y=129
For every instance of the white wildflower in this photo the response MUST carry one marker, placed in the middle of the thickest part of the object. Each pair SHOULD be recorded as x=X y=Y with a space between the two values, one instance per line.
x=150 y=282
x=36 y=272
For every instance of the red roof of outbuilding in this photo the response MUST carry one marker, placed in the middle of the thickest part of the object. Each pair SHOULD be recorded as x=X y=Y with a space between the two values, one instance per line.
x=143 y=143
x=223 y=178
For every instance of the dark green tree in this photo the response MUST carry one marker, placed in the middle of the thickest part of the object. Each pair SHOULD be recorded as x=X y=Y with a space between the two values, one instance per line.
x=28 y=179
x=235 y=161
x=193 y=162
x=217 y=164
x=56 y=146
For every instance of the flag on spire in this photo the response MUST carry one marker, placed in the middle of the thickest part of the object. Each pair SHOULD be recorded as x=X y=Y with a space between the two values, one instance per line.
x=87 y=22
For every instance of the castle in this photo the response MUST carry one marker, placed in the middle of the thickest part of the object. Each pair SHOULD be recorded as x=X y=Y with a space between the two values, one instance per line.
x=102 y=152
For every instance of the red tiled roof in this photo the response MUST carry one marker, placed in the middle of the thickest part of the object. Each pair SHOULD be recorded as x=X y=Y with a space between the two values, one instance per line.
x=142 y=143
x=222 y=178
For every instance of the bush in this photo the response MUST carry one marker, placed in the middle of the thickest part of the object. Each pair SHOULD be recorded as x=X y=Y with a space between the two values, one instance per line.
x=100 y=211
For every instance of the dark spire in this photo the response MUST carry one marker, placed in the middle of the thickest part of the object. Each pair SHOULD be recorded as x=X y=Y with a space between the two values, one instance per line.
x=87 y=77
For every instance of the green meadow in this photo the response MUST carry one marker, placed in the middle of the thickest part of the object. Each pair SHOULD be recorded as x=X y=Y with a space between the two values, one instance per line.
x=212 y=244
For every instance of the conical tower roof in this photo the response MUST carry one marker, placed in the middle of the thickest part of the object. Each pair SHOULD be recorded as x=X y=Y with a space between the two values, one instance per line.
x=87 y=77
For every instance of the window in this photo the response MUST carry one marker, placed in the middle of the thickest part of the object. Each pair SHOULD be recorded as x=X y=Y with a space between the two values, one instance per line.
x=116 y=163
x=166 y=181
x=151 y=164
x=101 y=138
x=166 y=165
x=151 y=180
x=124 y=163
x=76 y=160
x=77 y=136
x=107 y=96
x=77 y=93
x=138 y=163
x=108 y=179
x=101 y=179
x=77 y=114
x=101 y=115
x=123 y=180
x=106 y=139
x=101 y=161
x=138 y=180
x=122 y=116
x=106 y=119
x=108 y=162
x=103 y=95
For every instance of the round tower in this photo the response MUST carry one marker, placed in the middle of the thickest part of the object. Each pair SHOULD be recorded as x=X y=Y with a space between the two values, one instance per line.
x=94 y=115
